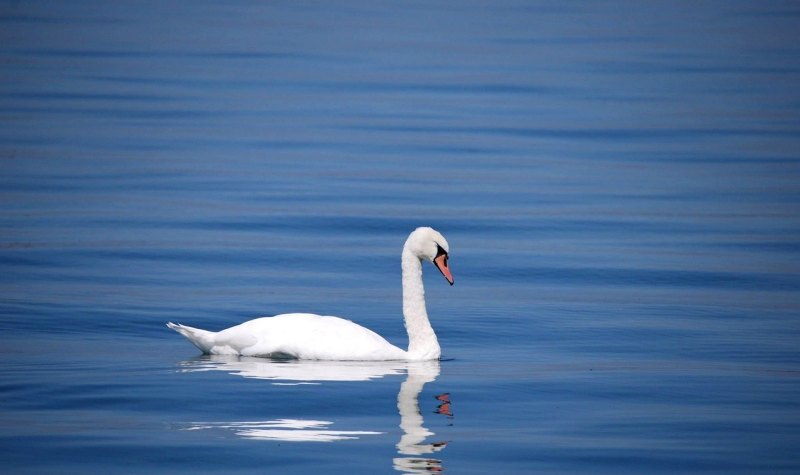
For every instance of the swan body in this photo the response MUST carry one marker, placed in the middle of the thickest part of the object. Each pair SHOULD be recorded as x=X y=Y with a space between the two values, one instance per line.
x=316 y=337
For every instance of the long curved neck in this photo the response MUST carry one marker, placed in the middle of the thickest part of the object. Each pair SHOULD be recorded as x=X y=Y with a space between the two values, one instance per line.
x=422 y=342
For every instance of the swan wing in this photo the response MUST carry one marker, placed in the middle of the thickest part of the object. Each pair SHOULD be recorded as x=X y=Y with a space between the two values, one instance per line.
x=305 y=336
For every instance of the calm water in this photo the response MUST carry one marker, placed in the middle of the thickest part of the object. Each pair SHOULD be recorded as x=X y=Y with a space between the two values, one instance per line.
x=619 y=184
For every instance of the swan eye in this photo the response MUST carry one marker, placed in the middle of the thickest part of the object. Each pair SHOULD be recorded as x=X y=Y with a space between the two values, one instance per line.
x=440 y=261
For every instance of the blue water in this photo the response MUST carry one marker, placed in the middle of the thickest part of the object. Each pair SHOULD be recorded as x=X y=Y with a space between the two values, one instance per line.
x=619 y=183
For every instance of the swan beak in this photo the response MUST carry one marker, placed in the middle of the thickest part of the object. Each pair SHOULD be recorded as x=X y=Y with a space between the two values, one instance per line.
x=441 y=264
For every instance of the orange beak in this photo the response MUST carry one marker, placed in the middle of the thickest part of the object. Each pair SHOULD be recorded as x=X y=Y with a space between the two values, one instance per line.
x=441 y=264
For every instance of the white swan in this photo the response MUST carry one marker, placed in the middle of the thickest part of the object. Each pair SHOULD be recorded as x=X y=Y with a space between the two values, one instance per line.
x=308 y=336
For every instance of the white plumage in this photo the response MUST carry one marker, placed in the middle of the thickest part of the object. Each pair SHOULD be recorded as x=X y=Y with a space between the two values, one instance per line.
x=309 y=336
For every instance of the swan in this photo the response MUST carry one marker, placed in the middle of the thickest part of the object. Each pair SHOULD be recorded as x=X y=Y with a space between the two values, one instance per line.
x=316 y=337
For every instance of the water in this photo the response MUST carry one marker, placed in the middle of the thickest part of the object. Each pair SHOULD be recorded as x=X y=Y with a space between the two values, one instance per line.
x=618 y=182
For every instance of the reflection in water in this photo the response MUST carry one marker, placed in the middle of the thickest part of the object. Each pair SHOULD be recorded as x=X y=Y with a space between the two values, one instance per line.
x=413 y=441
x=286 y=372
x=414 y=433
x=287 y=430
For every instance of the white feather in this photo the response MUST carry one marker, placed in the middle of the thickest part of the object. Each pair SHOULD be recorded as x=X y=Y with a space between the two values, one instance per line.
x=316 y=337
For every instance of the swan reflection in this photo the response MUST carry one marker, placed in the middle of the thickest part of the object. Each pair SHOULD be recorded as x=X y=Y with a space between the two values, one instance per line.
x=414 y=444
x=285 y=430
x=293 y=372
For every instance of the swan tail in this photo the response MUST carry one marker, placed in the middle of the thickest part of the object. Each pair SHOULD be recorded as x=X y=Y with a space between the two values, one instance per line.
x=202 y=339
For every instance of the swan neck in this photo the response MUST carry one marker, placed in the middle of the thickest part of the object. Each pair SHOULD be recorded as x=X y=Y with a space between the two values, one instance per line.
x=422 y=341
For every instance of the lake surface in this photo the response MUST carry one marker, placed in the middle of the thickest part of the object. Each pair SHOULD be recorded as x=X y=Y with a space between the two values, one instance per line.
x=619 y=183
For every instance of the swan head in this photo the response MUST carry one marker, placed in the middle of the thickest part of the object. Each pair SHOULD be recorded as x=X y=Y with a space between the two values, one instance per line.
x=428 y=244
